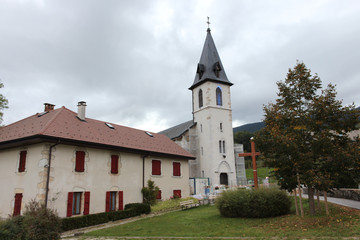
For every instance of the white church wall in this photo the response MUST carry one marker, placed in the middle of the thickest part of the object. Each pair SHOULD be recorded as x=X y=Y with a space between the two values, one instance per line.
x=214 y=124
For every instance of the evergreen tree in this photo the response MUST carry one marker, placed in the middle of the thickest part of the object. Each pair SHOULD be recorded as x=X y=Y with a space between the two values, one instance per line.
x=306 y=135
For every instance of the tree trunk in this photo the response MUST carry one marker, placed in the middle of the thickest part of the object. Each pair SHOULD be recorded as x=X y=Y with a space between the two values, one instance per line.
x=311 y=200
x=326 y=203
x=318 y=200
x=296 y=204
x=300 y=197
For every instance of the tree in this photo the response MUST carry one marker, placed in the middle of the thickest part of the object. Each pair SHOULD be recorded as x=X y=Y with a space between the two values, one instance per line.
x=3 y=103
x=150 y=192
x=305 y=138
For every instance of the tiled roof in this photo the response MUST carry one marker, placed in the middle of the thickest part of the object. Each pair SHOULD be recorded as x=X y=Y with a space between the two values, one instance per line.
x=178 y=130
x=63 y=124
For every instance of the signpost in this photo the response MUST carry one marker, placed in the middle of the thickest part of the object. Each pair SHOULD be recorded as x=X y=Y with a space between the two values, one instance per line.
x=253 y=155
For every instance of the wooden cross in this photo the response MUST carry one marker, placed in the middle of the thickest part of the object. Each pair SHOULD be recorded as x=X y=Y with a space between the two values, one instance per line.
x=253 y=155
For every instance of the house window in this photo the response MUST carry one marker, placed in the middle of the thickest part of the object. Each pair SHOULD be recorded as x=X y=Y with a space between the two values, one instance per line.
x=75 y=202
x=223 y=146
x=17 y=204
x=176 y=169
x=114 y=164
x=22 y=161
x=156 y=167
x=158 y=196
x=221 y=127
x=218 y=96
x=177 y=193
x=202 y=151
x=114 y=201
x=200 y=98
x=80 y=161
x=220 y=147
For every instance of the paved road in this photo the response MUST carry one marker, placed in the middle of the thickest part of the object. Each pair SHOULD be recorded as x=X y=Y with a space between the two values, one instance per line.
x=340 y=201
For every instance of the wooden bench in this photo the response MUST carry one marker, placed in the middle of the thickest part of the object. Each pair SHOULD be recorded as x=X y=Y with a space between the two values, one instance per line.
x=188 y=204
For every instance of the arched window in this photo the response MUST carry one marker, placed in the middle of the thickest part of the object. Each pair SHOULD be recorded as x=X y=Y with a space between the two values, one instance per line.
x=218 y=96
x=200 y=98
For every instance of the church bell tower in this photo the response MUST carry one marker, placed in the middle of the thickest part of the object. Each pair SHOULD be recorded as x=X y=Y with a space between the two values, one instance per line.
x=212 y=115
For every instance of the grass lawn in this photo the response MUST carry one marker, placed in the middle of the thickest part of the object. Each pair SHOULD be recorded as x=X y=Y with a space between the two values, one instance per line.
x=262 y=173
x=206 y=221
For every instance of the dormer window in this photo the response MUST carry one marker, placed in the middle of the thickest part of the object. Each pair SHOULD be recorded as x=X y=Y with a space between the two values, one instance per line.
x=217 y=69
x=200 y=70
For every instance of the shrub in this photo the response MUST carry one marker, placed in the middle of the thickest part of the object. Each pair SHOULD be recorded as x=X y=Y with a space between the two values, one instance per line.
x=12 y=229
x=131 y=210
x=150 y=192
x=257 y=203
x=140 y=208
x=37 y=223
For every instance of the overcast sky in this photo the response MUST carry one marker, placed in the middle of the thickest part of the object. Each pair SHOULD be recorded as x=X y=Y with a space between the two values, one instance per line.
x=133 y=61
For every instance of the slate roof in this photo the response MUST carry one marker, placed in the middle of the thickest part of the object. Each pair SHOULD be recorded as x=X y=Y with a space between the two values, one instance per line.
x=62 y=124
x=209 y=61
x=178 y=130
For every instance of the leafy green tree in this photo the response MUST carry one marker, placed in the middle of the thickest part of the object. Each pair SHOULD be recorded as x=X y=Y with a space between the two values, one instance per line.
x=306 y=134
x=3 y=103
x=150 y=192
x=243 y=138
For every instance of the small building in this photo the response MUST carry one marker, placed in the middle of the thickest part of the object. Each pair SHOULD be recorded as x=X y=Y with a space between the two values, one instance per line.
x=78 y=165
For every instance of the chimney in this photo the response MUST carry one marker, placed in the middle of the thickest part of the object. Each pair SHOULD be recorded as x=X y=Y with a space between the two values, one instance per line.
x=48 y=107
x=81 y=110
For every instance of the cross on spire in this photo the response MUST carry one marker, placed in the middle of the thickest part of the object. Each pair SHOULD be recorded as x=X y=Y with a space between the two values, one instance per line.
x=208 y=23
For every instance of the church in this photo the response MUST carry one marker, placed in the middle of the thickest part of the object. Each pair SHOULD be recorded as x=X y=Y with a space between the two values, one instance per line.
x=209 y=135
x=79 y=165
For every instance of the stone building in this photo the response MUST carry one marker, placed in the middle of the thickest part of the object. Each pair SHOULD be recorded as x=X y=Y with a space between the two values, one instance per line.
x=78 y=165
x=209 y=135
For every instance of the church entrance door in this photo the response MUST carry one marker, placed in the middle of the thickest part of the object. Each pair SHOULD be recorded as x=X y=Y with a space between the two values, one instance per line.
x=224 y=179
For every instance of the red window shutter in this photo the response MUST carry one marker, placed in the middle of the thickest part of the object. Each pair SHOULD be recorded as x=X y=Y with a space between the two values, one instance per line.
x=156 y=167
x=80 y=161
x=114 y=164
x=158 y=196
x=87 y=203
x=22 y=161
x=107 y=204
x=69 y=204
x=176 y=169
x=177 y=193
x=121 y=200
x=17 y=205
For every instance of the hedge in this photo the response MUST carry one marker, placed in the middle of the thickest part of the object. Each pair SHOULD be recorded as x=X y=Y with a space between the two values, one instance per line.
x=131 y=210
x=257 y=203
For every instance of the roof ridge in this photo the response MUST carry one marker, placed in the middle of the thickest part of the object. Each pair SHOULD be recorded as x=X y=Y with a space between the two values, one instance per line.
x=43 y=130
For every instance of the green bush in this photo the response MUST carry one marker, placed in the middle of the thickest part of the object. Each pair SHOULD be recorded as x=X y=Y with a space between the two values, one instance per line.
x=150 y=192
x=37 y=223
x=256 y=203
x=12 y=229
x=131 y=210
x=140 y=208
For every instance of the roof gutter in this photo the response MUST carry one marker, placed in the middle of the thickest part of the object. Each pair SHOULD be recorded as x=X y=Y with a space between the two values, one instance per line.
x=48 y=174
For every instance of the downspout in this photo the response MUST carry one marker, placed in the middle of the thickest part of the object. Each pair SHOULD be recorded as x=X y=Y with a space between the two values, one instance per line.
x=48 y=174
x=143 y=172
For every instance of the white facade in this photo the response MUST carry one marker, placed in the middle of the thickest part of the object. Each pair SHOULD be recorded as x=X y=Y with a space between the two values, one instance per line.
x=96 y=179
x=214 y=132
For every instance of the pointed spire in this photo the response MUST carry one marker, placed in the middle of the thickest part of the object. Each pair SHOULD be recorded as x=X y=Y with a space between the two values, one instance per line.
x=210 y=67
